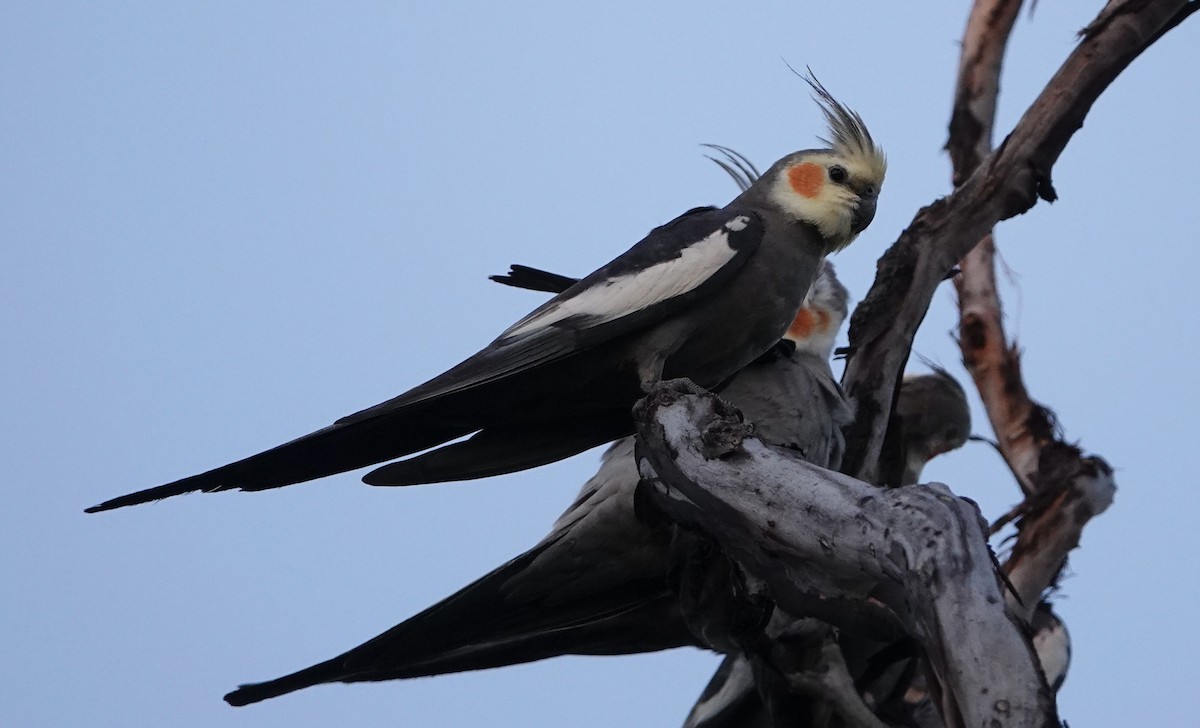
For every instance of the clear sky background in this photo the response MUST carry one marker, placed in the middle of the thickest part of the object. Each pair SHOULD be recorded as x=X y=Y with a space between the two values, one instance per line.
x=226 y=226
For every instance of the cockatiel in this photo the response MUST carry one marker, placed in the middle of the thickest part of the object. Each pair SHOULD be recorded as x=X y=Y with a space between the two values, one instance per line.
x=700 y=297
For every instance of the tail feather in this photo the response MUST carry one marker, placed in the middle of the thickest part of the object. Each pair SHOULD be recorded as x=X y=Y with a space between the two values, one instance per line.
x=482 y=627
x=534 y=279
x=328 y=671
x=334 y=449
x=579 y=386
x=500 y=450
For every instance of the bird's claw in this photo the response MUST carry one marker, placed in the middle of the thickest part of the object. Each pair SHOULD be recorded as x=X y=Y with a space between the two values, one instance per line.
x=682 y=385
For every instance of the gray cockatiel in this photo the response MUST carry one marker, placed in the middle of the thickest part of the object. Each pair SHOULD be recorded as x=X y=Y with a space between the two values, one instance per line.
x=934 y=418
x=597 y=584
x=700 y=297
x=795 y=402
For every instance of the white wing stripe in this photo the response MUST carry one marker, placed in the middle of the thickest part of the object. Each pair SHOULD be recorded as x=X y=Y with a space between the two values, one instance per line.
x=641 y=289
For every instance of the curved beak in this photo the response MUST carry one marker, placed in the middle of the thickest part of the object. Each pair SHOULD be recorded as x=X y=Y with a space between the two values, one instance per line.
x=864 y=213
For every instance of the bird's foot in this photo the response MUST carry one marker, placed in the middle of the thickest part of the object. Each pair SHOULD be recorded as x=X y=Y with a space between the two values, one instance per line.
x=682 y=385
x=666 y=391
x=722 y=431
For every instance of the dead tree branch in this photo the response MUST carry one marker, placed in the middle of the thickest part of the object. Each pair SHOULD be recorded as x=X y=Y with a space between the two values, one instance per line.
x=812 y=538
x=1063 y=488
x=974 y=114
x=1007 y=183
x=1022 y=426
x=913 y=561
x=994 y=367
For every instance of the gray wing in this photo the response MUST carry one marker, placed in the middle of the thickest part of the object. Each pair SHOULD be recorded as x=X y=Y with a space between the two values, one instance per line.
x=595 y=585
x=674 y=265
x=794 y=402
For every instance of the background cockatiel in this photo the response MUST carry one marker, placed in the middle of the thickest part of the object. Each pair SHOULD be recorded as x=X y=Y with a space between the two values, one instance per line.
x=934 y=418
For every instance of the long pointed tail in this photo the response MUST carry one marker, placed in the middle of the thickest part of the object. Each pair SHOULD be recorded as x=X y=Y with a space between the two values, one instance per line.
x=484 y=625
x=334 y=449
x=328 y=671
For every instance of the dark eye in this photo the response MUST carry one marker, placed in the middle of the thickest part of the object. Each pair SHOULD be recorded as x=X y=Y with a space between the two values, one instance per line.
x=837 y=174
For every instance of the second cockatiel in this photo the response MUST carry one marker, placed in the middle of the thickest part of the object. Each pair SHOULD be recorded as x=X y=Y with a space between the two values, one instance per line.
x=934 y=418
x=700 y=297
x=597 y=584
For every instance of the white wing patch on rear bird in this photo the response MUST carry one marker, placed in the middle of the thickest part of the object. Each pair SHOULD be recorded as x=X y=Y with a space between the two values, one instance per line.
x=627 y=294
x=1053 y=647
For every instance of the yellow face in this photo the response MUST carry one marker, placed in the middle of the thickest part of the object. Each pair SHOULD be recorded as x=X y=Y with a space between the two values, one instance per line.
x=833 y=191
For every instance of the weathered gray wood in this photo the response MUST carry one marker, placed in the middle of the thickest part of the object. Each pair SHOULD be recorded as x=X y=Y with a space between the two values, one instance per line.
x=1063 y=488
x=825 y=676
x=862 y=559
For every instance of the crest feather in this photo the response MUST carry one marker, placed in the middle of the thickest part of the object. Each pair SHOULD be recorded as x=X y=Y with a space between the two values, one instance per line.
x=735 y=164
x=848 y=134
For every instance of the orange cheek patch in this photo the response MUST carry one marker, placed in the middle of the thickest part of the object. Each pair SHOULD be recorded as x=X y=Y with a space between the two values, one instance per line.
x=802 y=325
x=806 y=179
x=822 y=320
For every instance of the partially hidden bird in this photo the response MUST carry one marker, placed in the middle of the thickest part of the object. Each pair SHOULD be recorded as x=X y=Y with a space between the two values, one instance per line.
x=934 y=418
x=597 y=584
x=699 y=297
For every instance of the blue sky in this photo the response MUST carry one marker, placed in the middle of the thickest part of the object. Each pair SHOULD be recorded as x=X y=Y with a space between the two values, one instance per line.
x=225 y=226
